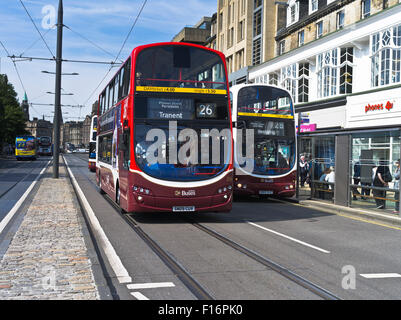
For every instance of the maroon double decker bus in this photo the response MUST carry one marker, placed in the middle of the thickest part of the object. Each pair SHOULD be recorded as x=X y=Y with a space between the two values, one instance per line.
x=164 y=138
x=270 y=169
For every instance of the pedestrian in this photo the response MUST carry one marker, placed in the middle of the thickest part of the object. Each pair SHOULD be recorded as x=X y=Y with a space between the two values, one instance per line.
x=357 y=179
x=381 y=180
x=323 y=186
x=330 y=178
x=397 y=187
x=304 y=170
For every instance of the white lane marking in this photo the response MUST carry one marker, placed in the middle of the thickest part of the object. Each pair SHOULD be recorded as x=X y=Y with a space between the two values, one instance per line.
x=14 y=209
x=137 y=286
x=289 y=238
x=380 y=275
x=139 y=296
x=115 y=261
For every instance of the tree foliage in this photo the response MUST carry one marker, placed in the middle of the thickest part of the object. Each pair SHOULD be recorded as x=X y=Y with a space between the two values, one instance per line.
x=12 y=121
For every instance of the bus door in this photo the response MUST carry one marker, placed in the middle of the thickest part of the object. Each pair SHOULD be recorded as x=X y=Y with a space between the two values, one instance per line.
x=124 y=161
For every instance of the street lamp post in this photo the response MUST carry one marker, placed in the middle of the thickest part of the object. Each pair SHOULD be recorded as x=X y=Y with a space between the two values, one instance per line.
x=57 y=100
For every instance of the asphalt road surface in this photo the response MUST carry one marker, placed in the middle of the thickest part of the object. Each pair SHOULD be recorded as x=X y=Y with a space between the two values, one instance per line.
x=351 y=259
x=15 y=179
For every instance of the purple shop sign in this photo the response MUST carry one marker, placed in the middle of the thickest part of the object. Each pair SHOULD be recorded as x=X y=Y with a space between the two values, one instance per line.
x=308 y=127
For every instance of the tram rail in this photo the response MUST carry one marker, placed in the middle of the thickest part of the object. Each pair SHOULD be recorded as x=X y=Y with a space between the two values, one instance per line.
x=190 y=282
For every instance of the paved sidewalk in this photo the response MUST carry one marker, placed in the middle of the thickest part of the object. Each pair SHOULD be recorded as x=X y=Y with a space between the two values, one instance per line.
x=48 y=258
x=361 y=209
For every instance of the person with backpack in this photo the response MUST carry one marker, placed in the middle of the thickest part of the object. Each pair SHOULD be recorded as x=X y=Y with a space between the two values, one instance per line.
x=381 y=179
x=397 y=187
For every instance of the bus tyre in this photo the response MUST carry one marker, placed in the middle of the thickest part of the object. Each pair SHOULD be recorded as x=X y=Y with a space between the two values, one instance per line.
x=118 y=197
x=118 y=194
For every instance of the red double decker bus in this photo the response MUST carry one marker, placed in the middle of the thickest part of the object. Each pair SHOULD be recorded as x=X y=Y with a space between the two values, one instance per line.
x=165 y=131
x=266 y=113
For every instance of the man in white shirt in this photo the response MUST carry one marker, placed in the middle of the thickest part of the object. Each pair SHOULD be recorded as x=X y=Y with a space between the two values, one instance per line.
x=331 y=177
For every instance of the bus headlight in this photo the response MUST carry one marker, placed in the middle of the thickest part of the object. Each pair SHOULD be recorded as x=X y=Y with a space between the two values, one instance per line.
x=225 y=189
x=141 y=190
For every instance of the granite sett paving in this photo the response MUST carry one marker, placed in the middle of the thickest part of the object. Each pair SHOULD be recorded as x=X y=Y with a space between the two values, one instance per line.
x=47 y=258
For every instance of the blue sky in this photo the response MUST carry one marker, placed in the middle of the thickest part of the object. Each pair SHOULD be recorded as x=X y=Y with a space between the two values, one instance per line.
x=106 y=23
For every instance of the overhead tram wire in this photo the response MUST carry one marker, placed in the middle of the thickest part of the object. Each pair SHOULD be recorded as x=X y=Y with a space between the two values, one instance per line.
x=118 y=55
x=37 y=29
x=64 y=60
x=15 y=65
x=91 y=42
x=132 y=28
x=33 y=44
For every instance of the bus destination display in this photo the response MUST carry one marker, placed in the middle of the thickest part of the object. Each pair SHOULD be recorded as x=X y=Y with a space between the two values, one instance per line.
x=180 y=109
x=171 y=109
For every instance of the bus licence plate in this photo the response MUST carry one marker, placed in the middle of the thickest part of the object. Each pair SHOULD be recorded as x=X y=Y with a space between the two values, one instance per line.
x=265 y=192
x=184 y=209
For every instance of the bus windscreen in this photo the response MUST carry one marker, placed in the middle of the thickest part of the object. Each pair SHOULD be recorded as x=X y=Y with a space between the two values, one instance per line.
x=264 y=100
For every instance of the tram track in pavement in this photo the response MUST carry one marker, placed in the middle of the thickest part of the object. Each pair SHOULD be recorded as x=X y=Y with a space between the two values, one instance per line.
x=191 y=282
x=178 y=270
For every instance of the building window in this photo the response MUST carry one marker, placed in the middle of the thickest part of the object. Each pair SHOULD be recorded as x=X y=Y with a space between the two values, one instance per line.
x=346 y=69
x=243 y=6
x=319 y=29
x=241 y=30
x=303 y=82
x=273 y=79
x=340 y=19
x=230 y=37
x=386 y=56
x=292 y=12
x=327 y=73
x=257 y=51
x=288 y=79
x=301 y=38
x=257 y=4
x=240 y=59
x=365 y=4
x=281 y=47
x=313 y=6
x=295 y=79
x=334 y=71
x=220 y=22
x=257 y=23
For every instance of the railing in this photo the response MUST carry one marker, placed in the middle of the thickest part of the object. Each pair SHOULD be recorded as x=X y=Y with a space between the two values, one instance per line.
x=325 y=190
x=368 y=187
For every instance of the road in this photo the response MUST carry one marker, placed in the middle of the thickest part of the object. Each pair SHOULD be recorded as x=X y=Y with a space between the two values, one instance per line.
x=350 y=259
x=15 y=178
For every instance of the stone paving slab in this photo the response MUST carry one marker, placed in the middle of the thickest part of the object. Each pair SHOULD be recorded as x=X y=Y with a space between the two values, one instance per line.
x=47 y=258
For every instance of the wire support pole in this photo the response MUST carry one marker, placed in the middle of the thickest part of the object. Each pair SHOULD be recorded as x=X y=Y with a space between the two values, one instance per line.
x=57 y=99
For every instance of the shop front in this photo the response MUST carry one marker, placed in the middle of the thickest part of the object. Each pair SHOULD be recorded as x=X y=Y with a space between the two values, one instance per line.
x=375 y=149
x=344 y=161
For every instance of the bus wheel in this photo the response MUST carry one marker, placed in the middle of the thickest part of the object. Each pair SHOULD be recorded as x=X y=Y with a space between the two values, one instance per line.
x=118 y=198
x=118 y=194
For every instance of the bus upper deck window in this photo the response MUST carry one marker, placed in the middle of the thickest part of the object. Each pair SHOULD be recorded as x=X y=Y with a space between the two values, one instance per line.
x=182 y=57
